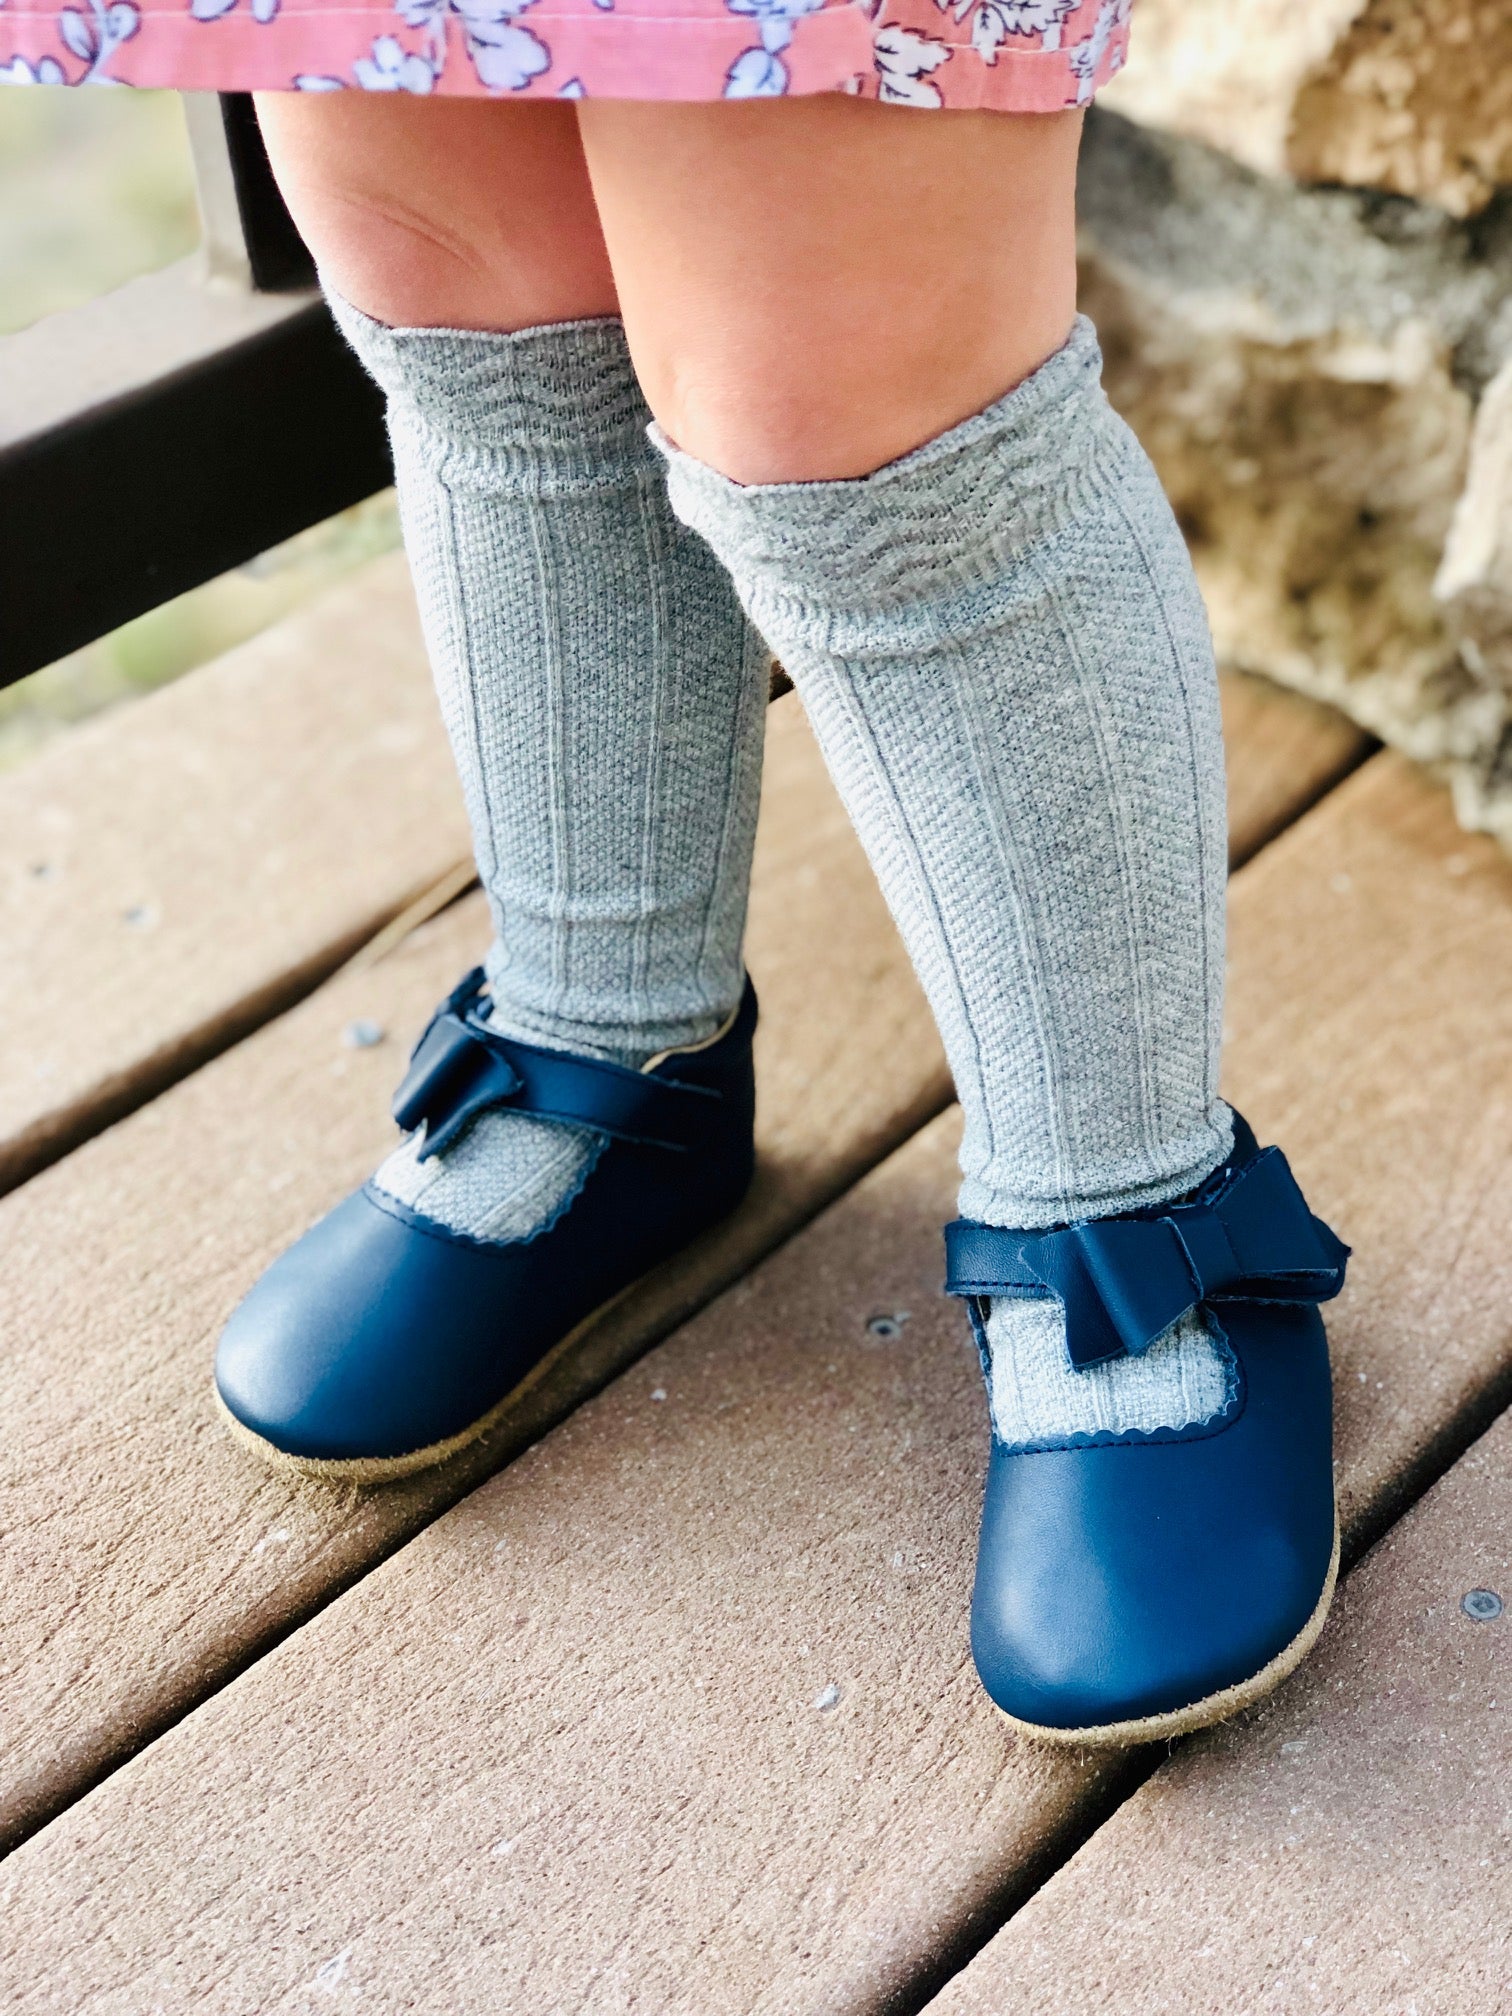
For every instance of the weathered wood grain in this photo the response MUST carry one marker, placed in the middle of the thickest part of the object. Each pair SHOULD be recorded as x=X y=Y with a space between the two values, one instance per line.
x=182 y=868
x=1346 y=1850
x=143 y=1556
x=1370 y=1030
x=1284 y=754
x=676 y=1714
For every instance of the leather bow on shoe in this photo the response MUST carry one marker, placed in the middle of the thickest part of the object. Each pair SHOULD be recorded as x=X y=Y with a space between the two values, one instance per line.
x=385 y=1341
x=1123 y=1281
x=461 y=1067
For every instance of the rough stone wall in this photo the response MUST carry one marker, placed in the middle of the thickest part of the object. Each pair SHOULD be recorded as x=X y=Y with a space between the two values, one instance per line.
x=1417 y=98
x=1324 y=378
x=1409 y=96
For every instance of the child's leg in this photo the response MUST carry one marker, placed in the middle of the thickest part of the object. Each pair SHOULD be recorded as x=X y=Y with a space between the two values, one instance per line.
x=447 y=213
x=852 y=280
x=887 y=425
x=603 y=692
x=999 y=638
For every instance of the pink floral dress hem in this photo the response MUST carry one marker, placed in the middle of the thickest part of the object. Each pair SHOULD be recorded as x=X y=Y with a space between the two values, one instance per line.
x=1000 y=55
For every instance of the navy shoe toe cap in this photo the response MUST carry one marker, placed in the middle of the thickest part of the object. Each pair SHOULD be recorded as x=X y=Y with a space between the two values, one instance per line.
x=1124 y=1581
x=366 y=1339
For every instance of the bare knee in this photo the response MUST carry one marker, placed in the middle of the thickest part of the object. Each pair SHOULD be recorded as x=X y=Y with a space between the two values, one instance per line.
x=422 y=212
x=787 y=412
x=397 y=260
x=758 y=419
x=853 y=280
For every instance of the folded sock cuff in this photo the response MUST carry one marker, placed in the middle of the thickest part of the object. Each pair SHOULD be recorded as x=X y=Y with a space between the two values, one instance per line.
x=531 y=406
x=945 y=515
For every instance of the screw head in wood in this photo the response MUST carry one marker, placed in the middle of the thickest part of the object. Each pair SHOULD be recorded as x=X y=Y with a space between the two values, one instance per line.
x=886 y=1328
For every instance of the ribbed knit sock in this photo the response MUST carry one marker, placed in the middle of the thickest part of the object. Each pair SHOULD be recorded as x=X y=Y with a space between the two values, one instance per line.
x=1002 y=649
x=605 y=699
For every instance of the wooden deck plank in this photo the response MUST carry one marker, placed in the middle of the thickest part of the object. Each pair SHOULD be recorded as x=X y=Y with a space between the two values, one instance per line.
x=216 y=849
x=144 y=1556
x=676 y=1713
x=582 y=1711
x=182 y=868
x=112 y=1461
x=1347 y=1850
x=1286 y=752
x=1370 y=977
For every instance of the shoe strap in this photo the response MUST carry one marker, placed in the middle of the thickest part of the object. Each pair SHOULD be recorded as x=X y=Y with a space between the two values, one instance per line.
x=461 y=1068
x=1247 y=1236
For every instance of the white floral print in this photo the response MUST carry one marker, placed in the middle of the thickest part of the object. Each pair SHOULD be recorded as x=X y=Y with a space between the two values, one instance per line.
x=760 y=72
x=46 y=70
x=212 y=10
x=904 y=60
x=93 y=37
x=391 y=67
x=1008 y=55
x=993 y=21
x=1087 y=56
x=505 y=56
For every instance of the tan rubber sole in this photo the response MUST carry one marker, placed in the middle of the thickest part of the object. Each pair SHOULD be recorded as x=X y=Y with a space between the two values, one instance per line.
x=1213 y=1707
x=386 y=1469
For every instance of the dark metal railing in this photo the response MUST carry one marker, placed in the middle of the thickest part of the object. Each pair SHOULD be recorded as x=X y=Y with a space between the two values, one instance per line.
x=179 y=426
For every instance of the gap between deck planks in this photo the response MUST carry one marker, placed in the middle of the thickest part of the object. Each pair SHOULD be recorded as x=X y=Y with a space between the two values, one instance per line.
x=566 y=1749
x=183 y=869
x=120 y=1502
x=145 y=1557
x=1346 y=1850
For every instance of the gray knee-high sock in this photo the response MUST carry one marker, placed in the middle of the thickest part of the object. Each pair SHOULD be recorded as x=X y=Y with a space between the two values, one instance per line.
x=1004 y=655
x=604 y=696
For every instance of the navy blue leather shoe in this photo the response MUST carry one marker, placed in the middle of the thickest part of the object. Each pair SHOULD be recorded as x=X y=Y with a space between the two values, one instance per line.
x=1134 y=1587
x=382 y=1342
